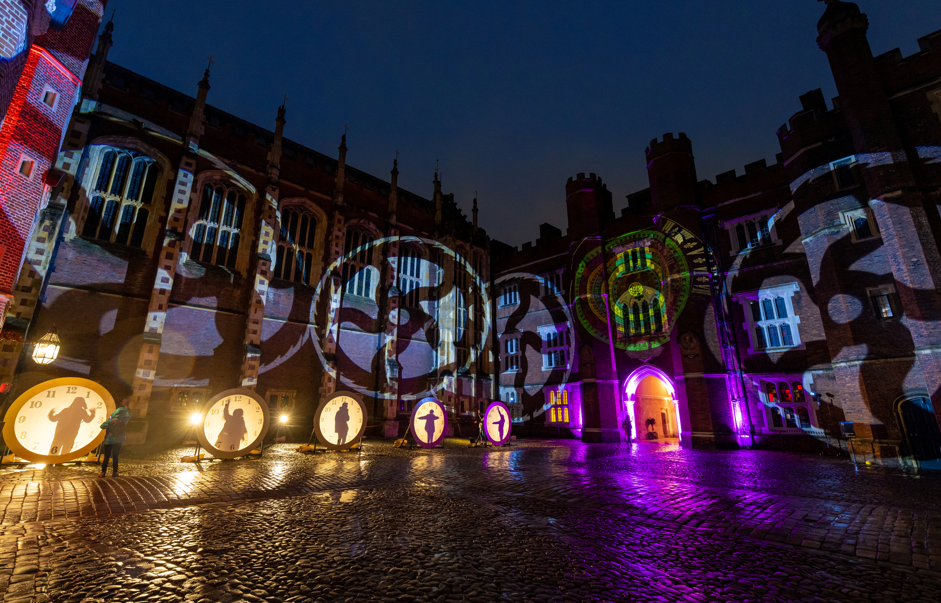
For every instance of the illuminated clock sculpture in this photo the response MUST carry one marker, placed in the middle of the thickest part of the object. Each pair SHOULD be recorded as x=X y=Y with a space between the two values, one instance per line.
x=58 y=420
x=650 y=275
x=340 y=421
x=429 y=422
x=234 y=423
x=497 y=424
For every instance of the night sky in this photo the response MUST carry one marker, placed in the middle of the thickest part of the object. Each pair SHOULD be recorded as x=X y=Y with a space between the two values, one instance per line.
x=512 y=97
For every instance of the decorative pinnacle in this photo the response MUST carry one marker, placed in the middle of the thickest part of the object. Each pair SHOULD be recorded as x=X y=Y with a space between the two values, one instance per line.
x=206 y=74
x=109 y=27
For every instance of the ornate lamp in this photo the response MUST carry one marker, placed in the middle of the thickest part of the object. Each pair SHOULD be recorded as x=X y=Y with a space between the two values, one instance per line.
x=46 y=350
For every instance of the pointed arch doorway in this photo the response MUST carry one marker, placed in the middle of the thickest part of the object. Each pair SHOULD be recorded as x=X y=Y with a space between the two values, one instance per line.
x=652 y=406
x=921 y=430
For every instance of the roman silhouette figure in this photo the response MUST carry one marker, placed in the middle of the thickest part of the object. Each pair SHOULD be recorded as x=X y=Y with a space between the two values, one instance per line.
x=68 y=421
x=341 y=423
x=233 y=430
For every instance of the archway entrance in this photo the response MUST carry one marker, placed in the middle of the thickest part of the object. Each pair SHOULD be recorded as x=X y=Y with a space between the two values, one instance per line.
x=652 y=406
x=921 y=430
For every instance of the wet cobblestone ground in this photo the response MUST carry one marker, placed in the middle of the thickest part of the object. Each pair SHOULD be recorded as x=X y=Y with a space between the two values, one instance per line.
x=541 y=521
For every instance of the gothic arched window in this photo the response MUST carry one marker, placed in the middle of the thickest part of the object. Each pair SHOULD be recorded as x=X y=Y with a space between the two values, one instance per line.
x=119 y=203
x=295 y=246
x=357 y=265
x=409 y=277
x=216 y=231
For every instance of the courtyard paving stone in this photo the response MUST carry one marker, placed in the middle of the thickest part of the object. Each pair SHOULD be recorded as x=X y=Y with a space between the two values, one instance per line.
x=543 y=520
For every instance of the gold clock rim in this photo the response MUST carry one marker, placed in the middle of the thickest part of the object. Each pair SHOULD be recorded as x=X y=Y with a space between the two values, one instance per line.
x=228 y=454
x=362 y=428
x=9 y=426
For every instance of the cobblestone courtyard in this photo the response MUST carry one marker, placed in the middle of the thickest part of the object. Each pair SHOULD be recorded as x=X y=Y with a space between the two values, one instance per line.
x=539 y=521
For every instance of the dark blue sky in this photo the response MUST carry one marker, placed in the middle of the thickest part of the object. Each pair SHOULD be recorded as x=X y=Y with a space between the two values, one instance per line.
x=513 y=97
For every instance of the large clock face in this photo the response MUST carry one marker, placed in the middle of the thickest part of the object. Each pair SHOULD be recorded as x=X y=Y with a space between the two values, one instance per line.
x=57 y=421
x=234 y=423
x=497 y=423
x=340 y=421
x=429 y=420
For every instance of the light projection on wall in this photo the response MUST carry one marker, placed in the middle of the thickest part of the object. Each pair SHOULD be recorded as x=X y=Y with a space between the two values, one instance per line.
x=497 y=423
x=340 y=420
x=234 y=423
x=651 y=274
x=58 y=420
x=534 y=304
x=429 y=422
x=441 y=317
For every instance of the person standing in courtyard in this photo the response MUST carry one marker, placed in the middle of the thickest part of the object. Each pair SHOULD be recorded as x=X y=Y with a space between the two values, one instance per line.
x=115 y=427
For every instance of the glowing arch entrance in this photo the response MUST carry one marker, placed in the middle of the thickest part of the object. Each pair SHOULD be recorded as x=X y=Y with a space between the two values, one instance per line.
x=650 y=394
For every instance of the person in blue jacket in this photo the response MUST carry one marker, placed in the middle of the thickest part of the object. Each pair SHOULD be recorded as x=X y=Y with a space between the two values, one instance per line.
x=116 y=425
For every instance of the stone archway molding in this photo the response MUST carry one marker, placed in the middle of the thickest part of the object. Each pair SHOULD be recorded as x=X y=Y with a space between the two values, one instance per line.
x=630 y=390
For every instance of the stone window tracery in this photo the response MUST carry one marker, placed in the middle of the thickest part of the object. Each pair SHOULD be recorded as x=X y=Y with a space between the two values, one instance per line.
x=770 y=320
x=296 y=246
x=558 y=407
x=752 y=232
x=555 y=346
x=119 y=204
x=510 y=295
x=862 y=224
x=787 y=406
x=217 y=231
x=511 y=353
x=409 y=282
x=358 y=267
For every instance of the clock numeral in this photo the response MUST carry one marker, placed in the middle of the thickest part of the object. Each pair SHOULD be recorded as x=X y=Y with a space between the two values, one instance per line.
x=36 y=403
x=232 y=447
x=21 y=420
x=51 y=393
x=215 y=411
x=55 y=450
x=71 y=389
x=22 y=435
x=88 y=393
x=259 y=421
x=255 y=433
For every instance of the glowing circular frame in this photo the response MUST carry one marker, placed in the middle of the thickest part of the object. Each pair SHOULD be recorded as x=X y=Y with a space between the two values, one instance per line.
x=495 y=438
x=324 y=285
x=672 y=255
x=319 y=418
x=428 y=405
x=11 y=418
x=254 y=443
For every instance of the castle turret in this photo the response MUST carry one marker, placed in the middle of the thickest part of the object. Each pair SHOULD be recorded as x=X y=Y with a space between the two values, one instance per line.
x=589 y=204
x=671 y=171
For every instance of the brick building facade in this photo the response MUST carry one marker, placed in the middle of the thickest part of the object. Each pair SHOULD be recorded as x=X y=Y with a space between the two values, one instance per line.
x=44 y=51
x=192 y=252
x=758 y=309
